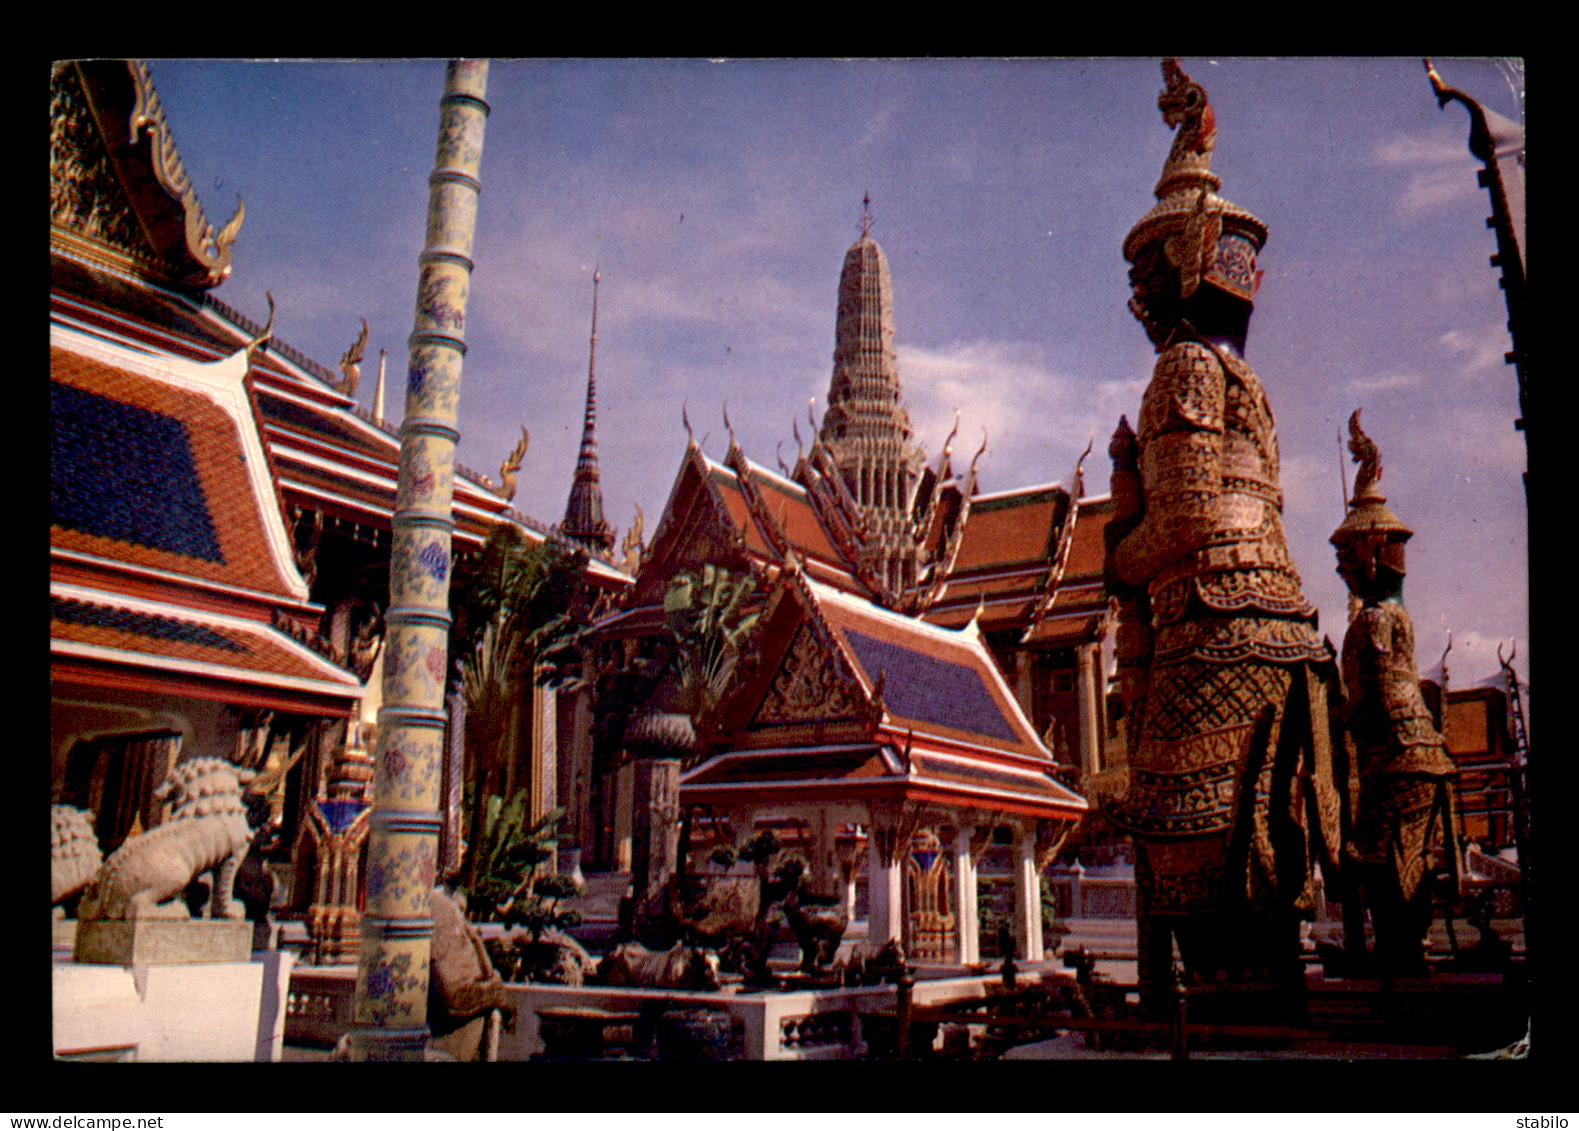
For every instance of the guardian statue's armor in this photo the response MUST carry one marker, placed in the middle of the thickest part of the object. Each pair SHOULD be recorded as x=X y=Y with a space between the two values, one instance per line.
x=1231 y=785
x=1403 y=813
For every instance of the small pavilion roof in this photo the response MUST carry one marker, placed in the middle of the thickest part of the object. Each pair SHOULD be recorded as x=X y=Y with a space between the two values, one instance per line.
x=852 y=702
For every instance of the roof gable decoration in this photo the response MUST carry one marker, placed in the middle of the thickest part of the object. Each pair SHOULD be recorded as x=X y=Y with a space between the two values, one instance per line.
x=117 y=179
x=1066 y=538
x=792 y=671
x=224 y=383
x=770 y=525
x=696 y=528
x=953 y=536
x=919 y=677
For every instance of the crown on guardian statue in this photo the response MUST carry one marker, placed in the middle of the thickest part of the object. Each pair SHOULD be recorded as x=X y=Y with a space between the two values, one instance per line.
x=1206 y=238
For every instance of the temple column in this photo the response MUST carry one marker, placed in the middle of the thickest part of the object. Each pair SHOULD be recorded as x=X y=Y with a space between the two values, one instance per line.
x=1027 y=897
x=391 y=1004
x=885 y=894
x=624 y=799
x=1089 y=688
x=575 y=770
x=451 y=848
x=967 y=925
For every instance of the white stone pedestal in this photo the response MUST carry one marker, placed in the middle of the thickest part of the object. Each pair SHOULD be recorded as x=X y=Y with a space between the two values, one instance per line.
x=206 y=1012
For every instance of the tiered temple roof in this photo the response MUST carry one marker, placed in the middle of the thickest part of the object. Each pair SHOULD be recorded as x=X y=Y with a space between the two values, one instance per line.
x=846 y=701
x=171 y=567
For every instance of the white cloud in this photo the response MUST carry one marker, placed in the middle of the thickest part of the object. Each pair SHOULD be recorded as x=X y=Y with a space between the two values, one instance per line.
x=1037 y=419
x=1479 y=350
x=1440 y=169
x=1385 y=382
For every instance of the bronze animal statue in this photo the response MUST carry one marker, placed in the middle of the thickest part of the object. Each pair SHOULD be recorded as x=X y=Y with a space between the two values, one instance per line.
x=556 y=959
x=817 y=921
x=206 y=832
x=678 y=968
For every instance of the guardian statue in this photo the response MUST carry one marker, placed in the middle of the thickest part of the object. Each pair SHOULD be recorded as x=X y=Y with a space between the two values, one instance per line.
x=1231 y=793
x=1403 y=813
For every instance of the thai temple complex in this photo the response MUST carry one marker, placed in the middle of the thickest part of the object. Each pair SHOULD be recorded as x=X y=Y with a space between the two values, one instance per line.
x=852 y=726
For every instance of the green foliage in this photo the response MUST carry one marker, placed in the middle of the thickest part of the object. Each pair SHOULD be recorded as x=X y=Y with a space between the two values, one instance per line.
x=708 y=613
x=523 y=608
x=504 y=864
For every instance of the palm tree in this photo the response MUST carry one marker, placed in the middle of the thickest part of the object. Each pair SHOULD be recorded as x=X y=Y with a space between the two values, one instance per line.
x=518 y=620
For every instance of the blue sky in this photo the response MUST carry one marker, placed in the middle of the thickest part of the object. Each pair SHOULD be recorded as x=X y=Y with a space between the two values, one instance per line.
x=718 y=199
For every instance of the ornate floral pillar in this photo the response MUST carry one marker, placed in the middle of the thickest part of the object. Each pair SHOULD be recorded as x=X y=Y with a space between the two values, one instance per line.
x=390 y=1013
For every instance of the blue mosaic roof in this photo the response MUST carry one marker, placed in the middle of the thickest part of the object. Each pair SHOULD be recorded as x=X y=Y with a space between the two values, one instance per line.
x=72 y=611
x=338 y=814
x=125 y=472
x=926 y=689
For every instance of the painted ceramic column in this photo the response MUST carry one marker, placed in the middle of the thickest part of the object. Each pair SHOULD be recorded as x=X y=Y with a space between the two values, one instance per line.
x=391 y=1002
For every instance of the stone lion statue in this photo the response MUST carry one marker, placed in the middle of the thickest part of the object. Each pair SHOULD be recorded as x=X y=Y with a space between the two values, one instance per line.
x=207 y=832
x=74 y=855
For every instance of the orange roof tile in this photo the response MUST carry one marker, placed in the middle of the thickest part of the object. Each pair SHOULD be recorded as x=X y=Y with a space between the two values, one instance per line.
x=151 y=634
x=1005 y=529
x=153 y=475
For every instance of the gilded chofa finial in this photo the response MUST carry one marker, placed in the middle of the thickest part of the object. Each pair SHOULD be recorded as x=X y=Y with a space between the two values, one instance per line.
x=351 y=363
x=511 y=465
x=261 y=342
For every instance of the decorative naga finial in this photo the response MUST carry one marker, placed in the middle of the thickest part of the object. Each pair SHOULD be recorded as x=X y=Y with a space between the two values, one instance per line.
x=632 y=543
x=351 y=363
x=1368 y=513
x=970 y=479
x=690 y=436
x=511 y=465
x=227 y=234
x=1367 y=455
x=261 y=342
x=1185 y=109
